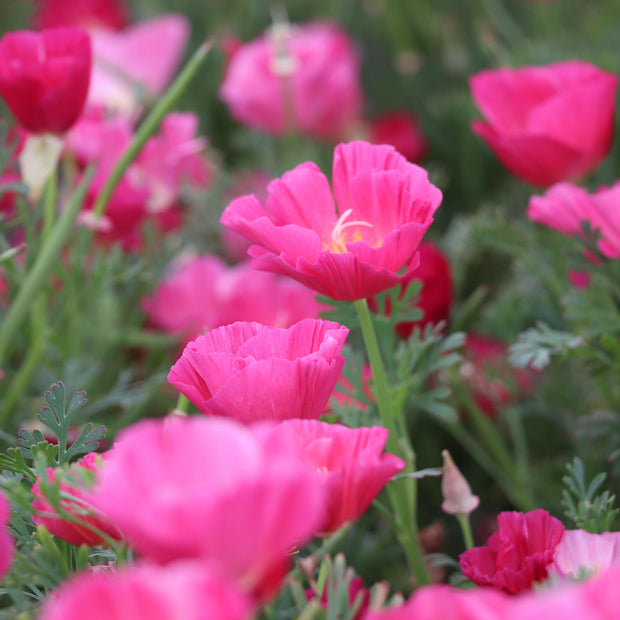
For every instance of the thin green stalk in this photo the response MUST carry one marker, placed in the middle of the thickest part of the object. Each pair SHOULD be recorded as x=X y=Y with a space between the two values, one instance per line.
x=150 y=125
x=402 y=492
x=41 y=269
x=49 y=206
x=182 y=404
x=38 y=340
x=468 y=537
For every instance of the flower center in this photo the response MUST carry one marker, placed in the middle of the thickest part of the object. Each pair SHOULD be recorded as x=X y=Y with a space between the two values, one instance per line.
x=338 y=239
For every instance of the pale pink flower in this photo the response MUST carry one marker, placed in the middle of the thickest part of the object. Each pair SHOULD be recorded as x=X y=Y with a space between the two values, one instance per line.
x=185 y=590
x=252 y=372
x=211 y=489
x=385 y=205
x=140 y=60
x=595 y=599
x=565 y=208
x=203 y=293
x=297 y=78
x=7 y=545
x=350 y=463
x=547 y=124
x=580 y=551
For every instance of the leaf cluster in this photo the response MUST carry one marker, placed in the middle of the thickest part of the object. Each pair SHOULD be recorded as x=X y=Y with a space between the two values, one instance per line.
x=589 y=511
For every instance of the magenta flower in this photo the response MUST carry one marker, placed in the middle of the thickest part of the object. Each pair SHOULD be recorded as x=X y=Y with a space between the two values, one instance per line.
x=203 y=293
x=83 y=14
x=350 y=462
x=385 y=205
x=211 y=489
x=547 y=124
x=517 y=555
x=74 y=484
x=566 y=207
x=151 y=187
x=187 y=590
x=7 y=546
x=300 y=78
x=252 y=372
x=44 y=77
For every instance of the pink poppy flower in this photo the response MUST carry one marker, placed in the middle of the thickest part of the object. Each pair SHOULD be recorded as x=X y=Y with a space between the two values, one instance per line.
x=565 y=208
x=78 y=482
x=213 y=490
x=547 y=124
x=402 y=130
x=203 y=293
x=87 y=14
x=252 y=372
x=440 y=602
x=44 y=77
x=385 y=205
x=580 y=551
x=151 y=187
x=300 y=78
x=350 y=462
x=186 y=590
x=7 y=546
x=140 y=60
x=517 y=555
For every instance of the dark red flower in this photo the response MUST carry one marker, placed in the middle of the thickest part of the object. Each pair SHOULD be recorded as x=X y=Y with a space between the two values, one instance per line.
x=44 y=77
x=517 y=555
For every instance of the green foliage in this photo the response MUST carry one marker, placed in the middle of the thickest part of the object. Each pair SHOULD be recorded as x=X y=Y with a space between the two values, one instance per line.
x=59 y=419
x=420 y=358
x=590 y=512
x=536 y=345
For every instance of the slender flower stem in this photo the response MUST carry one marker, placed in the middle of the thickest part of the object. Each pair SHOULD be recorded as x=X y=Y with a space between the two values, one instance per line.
x=40 y=271
x=403 y=492
x=150 y=125
x=182 y=404
x=468 y=538
x=49 y=205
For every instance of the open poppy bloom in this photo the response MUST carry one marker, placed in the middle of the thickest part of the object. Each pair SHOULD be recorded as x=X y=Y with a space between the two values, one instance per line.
x=385 y=205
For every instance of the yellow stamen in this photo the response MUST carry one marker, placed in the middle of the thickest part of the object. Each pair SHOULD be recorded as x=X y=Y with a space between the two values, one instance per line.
x=338 y=240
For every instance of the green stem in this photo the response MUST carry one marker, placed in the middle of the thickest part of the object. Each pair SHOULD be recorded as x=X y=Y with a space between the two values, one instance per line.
x=38 y=340
x=49 y=206
x=402 y=492
x=182 y=404
x=468 y=538
x=43 y=266
x=150 y=125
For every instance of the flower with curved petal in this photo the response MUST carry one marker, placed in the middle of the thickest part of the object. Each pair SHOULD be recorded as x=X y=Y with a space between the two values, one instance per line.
x=385 y=205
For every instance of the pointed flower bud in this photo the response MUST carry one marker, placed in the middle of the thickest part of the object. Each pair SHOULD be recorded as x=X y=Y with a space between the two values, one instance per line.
x=458 y=498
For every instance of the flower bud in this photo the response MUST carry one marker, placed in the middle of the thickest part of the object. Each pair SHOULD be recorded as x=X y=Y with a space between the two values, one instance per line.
x=458 y=498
